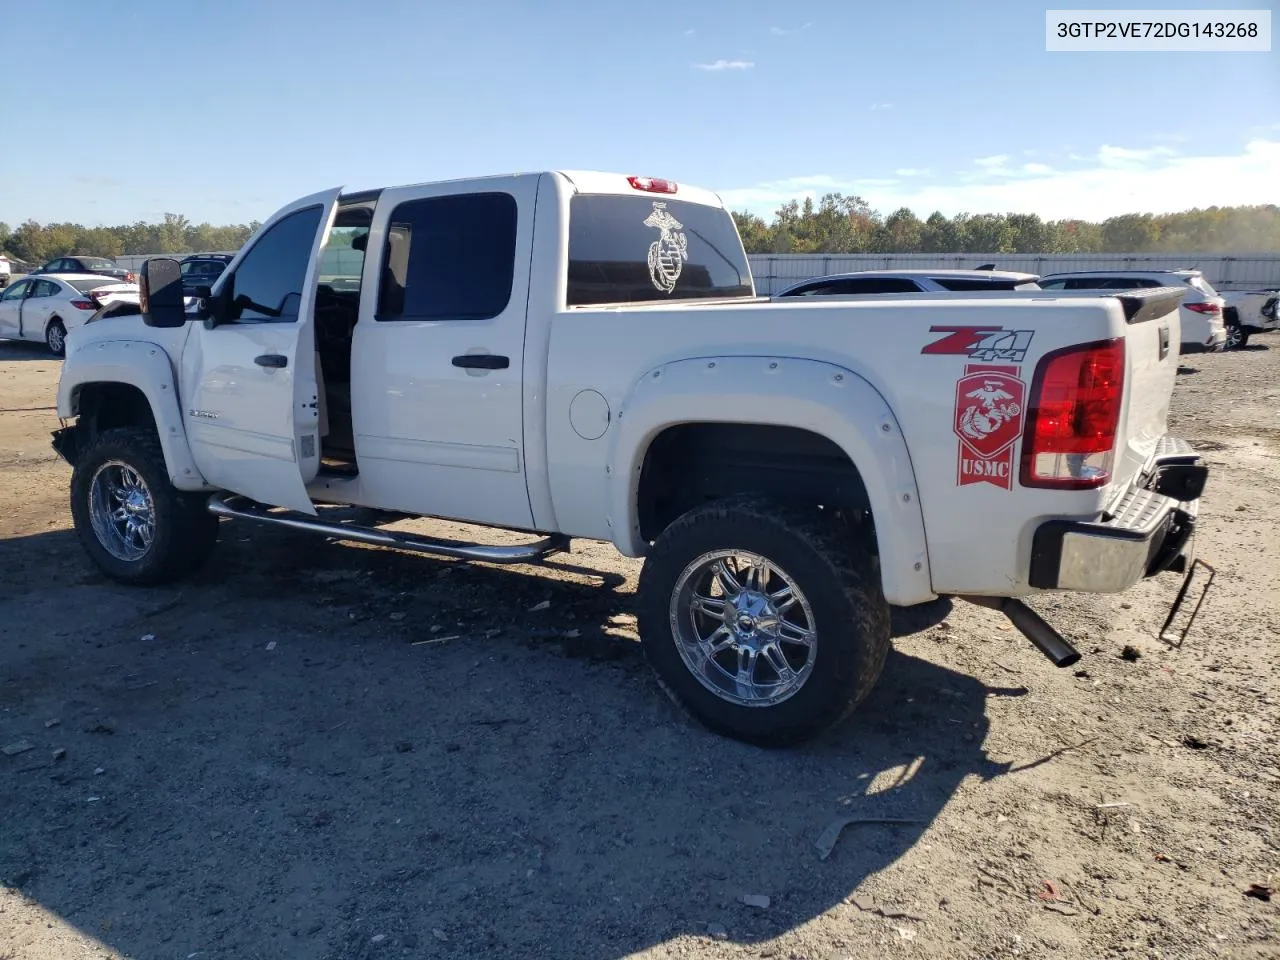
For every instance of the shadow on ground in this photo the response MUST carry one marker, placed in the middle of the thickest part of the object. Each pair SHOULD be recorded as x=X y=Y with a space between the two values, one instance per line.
x=289 y=770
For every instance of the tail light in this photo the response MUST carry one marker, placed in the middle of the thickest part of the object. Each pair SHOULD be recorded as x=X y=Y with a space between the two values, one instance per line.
x=652 y=184
x=1070 y=437
x=84 y=304
x=1203 y=307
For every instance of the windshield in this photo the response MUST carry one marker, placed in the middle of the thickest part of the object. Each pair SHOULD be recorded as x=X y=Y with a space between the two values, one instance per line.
x=637 y=250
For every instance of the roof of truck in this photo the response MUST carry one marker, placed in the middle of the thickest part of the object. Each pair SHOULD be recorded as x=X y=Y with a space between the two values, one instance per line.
x=583 y=181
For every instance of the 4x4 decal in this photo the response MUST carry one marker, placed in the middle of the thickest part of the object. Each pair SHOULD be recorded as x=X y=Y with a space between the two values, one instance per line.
x=985 y=344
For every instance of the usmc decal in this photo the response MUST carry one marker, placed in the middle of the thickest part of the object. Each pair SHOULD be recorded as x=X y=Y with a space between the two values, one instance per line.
x=990 y=409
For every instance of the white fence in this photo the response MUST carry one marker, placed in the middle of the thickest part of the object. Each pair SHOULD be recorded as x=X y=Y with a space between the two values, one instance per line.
x=1246 y=271
x=772 y=272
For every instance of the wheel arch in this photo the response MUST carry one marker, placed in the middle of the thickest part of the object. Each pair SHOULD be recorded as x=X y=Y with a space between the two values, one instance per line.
x=841 y=426
x=117 y=383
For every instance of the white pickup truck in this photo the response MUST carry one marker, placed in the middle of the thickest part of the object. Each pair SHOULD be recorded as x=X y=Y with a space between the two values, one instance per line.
x=584 y=355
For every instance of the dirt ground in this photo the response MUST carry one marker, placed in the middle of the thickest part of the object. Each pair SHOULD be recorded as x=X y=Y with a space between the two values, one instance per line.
x=316 y=750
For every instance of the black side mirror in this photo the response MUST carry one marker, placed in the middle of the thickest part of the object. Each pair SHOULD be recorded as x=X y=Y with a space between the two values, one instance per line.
x=160 y=293
x=360 y=243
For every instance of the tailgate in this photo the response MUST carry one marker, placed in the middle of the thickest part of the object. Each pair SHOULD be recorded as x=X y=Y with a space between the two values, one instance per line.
x=1152 y=338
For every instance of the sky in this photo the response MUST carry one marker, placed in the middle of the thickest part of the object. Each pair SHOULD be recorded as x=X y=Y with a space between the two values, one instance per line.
x=226 y=111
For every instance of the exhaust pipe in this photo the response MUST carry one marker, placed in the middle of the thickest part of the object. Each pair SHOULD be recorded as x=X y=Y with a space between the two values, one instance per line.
x=1032 y=626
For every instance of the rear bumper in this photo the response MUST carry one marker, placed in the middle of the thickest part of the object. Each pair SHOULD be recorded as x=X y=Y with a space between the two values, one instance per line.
x=1149 y=530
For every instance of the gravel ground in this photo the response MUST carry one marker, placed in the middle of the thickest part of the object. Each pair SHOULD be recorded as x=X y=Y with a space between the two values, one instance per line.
x=317 y=750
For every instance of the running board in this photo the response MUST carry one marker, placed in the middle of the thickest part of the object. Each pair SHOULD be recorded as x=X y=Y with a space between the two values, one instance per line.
x=235 y=506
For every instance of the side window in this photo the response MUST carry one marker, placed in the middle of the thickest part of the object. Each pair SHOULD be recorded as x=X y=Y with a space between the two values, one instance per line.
x=1052 y=284
x=449 y=258
x=17 y=291
x=267 y=285
x=881 y=285
x=44 y=288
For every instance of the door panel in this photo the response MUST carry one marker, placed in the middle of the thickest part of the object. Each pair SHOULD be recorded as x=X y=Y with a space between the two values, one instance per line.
x=39 y=307
x=250 y=400
x=437 y=399
x=11 y=308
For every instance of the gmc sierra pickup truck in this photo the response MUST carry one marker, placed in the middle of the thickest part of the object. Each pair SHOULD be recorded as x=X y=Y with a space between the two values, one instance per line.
x=583 y=355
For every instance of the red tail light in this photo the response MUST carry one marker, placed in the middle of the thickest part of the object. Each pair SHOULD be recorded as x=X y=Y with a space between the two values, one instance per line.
x=84 y=304
x=1070 y=437
x=1203 y=307
x=652 y=185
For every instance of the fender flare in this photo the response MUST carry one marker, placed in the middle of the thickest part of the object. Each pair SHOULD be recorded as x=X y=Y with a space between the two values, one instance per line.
x=824 y=398
x=145 y=366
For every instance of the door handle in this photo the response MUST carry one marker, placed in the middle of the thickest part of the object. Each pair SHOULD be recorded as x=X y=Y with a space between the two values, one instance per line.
x=482 y=361
x=271 y=360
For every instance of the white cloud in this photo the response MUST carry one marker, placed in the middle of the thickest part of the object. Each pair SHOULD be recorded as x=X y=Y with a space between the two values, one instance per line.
x=786 y=31
x=726 y=65
x=882 y=106
x=912 y=172
x=1113 y=181
x=992 y=163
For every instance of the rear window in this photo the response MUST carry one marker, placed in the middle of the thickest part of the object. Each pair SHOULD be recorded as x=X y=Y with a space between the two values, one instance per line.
x=96 y=263
x=84 y=286
x=1203 y=285
x=638 y=250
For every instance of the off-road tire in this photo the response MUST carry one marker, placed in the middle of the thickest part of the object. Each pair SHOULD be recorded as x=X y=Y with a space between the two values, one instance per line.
x=185 y=531
x=831 y=563
x=55 y=337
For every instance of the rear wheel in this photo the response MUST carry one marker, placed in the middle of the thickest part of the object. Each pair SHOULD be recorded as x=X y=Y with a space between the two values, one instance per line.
x=136 y=527
x=765 y=622
x=1237 y=337
x=55 y=337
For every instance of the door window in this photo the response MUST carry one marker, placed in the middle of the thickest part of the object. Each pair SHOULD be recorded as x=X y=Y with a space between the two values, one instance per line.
x=44 y=288
x=17 y=291
x=267 y=285
x=449 y=258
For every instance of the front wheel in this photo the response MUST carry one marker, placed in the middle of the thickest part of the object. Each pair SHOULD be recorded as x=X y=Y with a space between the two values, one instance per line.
x=136 y=527
x=765 y=622
x=55 y=338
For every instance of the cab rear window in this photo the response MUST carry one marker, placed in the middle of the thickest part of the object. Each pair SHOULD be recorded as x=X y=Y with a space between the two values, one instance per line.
x=640 y=249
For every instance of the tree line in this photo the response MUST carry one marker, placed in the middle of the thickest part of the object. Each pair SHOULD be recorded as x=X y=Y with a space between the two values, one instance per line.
x=37 y=243
x=847 y=224
x=834 y=224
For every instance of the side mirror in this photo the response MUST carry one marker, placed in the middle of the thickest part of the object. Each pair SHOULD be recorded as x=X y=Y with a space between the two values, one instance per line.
x=160 y=293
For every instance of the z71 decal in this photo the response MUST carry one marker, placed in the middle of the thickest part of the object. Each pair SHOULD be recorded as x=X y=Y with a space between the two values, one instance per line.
x=984 y=344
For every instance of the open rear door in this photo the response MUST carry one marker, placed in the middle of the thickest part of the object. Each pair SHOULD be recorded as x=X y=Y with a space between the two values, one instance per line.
x=251 y=413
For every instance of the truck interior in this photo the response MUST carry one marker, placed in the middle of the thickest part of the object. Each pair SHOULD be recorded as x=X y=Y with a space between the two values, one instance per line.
x=337 y=309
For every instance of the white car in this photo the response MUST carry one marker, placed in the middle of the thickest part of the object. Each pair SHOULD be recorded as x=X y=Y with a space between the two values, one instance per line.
x=1201 y=314
x=1248 y=312
x=6 y=270
x=578 y=354
x=909 y=281
x=47 y=308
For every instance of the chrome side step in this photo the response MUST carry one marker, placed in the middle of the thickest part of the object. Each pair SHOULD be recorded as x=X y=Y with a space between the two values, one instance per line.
x=235 y=506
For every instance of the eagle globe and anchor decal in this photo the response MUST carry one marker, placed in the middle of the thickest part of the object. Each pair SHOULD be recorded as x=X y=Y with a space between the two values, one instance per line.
x=668 y=253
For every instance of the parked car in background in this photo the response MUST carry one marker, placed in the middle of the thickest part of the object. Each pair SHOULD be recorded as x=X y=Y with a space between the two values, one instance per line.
x=1201 y=309
x=1248 y=312
x=98 y=266
x=202 y=269
x=47 y=308
x=909 y=281
x=6 y=270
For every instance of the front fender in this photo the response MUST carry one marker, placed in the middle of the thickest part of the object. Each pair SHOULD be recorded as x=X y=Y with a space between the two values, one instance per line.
x=146 y=366
x=824 y=398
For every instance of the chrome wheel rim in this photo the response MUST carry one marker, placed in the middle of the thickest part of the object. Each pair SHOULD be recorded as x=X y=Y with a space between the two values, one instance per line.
x=743 y=628
x=122 y=511
x=1233 y=337
x=56 y=339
